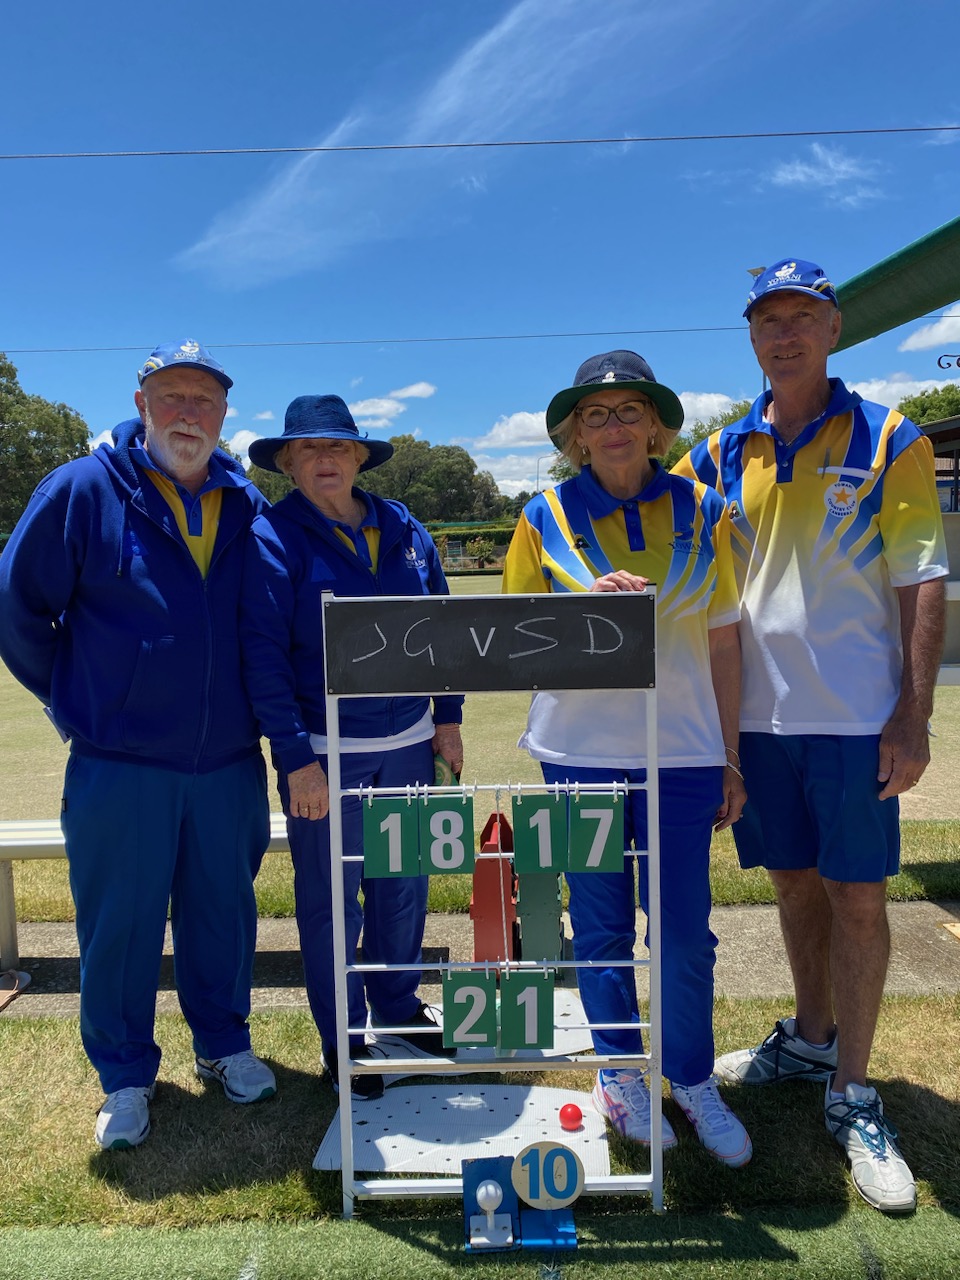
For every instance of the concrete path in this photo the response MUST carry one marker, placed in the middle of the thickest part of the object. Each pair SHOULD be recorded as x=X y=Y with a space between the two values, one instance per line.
x=925 y=958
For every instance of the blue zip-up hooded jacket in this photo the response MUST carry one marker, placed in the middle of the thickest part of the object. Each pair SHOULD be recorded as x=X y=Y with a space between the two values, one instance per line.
x=294 y=555
x=105 y=616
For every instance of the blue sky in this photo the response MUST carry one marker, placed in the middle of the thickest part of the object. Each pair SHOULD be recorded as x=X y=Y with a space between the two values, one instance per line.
x=298 y=271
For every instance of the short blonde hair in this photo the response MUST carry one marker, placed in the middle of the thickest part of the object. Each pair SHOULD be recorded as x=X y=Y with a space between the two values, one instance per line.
x=282 y=457
x=564 y=436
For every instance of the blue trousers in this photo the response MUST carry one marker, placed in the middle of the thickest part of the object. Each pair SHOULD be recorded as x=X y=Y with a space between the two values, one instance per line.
x=603 y=914
x=393 y=911
x=138 y=838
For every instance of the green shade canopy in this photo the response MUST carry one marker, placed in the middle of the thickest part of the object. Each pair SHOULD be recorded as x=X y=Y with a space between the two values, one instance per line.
x=919 y=278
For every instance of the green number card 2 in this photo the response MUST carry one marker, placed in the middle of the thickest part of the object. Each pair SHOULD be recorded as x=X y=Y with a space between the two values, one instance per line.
x=469 y=1008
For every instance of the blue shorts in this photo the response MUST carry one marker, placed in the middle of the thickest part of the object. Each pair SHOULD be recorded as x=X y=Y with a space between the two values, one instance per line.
x=814 y=804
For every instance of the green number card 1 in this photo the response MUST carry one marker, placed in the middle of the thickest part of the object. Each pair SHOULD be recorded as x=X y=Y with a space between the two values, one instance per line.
x=469 y=1008
x=596 y=833
x=446 y=835
x=391 y=838
x=540 y=833
x=526 y=1010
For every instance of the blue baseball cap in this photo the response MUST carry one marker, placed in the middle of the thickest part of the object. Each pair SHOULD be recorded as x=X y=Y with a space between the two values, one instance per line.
x=317 y=418
x=188 y=354
x=793 y=274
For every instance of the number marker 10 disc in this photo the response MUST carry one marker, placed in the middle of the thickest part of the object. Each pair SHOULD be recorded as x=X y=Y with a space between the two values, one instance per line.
x=547 y=1175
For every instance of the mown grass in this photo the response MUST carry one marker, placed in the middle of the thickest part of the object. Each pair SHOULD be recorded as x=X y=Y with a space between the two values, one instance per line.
x=208 y=1161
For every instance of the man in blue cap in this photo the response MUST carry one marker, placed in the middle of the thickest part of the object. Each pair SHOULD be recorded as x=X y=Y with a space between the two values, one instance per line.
x=118 y=609
x=840 y=559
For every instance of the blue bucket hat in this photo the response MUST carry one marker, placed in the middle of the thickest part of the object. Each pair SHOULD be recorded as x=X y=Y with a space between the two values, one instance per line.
x=317 y=418
x=793 y=274
x=621 y=369
x=187 y=354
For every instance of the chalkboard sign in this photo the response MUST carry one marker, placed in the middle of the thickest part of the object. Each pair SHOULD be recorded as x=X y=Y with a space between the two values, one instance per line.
x=477 y=644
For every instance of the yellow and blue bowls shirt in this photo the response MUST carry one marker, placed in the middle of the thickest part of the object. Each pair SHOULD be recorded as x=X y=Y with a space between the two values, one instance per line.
x=823 y=531
x=676 y=534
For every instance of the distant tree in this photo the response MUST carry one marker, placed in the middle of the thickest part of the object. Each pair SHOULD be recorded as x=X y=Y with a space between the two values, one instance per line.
x=271 y=484
x=931 y=406
x=35 y=436
x=488 y=502
x=517 y=504
x=560 y=469
x=437 y=482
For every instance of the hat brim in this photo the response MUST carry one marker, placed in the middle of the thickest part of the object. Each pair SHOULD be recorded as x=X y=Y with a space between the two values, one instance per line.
x=263 y=452
x=790 y=288
x=220 y=376
x=667 y=402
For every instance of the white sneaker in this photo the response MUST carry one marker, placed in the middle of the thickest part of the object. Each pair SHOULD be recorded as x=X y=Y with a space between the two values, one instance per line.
x=880 y=1173
x=718 y=1129
x=124 y=1119
x=783 y=1056
x=243 y=1076
x=624 y=1098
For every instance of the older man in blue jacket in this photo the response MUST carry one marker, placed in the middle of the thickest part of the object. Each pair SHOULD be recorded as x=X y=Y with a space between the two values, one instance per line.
x=118 y=609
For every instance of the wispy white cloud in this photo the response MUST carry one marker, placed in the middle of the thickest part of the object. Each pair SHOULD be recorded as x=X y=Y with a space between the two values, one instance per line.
x=516 y=431
x=515 y=79
x=232 y=412
x=105 y=437
x=266 y=416
x=355 y=382
x=849 y=180
x=378 y=411
x=415 y=391
x=942 y=333
x=944 y=137
x=892 y=389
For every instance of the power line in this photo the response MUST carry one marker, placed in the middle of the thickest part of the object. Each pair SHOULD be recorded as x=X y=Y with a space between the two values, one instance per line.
x=397 y=342
x=372 y=342
x=473 y=146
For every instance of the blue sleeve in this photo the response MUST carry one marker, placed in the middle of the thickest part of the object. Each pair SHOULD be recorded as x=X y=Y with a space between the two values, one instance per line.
x=39 y=569
x=267 y=604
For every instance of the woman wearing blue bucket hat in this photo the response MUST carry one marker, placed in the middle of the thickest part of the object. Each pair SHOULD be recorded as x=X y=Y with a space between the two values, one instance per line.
x=619 y=524
x=330 y=535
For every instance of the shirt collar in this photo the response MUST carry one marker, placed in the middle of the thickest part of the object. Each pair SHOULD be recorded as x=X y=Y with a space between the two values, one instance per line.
x=841 y=400
x=600 y=503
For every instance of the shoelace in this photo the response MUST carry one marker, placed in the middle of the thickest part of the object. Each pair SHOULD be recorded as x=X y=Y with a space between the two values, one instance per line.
x=875 y=1130
x=711 y=1108
x=635 y=1094
x=126 y=1100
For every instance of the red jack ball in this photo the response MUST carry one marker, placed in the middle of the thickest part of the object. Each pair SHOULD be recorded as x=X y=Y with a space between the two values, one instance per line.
x=571 y=1117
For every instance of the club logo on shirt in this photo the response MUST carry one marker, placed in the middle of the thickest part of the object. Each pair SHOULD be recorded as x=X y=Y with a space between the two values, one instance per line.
x=581 y=544
x=413 y=561
x=841 y=499
x=683 y=543
x=734 y=510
